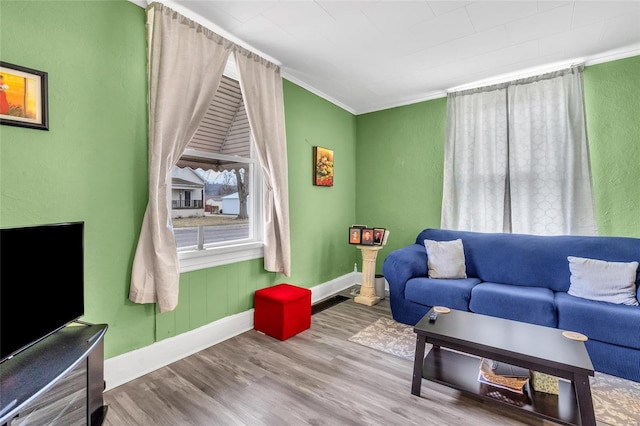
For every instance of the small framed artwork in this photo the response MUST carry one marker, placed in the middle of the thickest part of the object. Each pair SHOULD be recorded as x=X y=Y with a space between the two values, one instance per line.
x=378 y=236
x=367 y=237
x=322 y=166
x=354 y=235
x=23 y=97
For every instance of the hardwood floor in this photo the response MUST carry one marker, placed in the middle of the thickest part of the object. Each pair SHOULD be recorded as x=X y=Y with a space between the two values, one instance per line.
x=317 y=377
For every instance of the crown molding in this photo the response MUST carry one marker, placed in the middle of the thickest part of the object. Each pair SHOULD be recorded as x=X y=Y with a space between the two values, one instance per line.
x=317 y=92
x=413 y=100
x=614 y=55
x=608 y=56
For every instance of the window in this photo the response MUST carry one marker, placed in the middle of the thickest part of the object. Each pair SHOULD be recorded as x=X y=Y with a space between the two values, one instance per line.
x=216 y=187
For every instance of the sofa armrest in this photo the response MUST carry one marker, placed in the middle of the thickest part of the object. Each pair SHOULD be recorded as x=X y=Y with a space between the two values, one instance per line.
x=403 y=264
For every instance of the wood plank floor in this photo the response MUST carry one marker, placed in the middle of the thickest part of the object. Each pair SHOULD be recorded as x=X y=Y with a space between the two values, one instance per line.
x=317 y=377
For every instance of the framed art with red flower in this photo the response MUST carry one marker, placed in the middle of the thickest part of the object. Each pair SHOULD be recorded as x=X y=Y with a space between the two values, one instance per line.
x=322 y=166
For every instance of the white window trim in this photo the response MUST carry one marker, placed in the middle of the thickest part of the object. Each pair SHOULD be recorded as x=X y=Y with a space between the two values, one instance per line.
x=218 y=254
x=193 y=260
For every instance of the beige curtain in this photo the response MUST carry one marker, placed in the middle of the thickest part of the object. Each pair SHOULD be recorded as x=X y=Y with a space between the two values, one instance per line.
x=261 y=85
x=186 y=62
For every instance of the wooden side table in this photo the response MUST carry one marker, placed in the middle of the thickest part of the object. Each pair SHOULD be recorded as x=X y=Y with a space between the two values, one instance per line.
x=367 y=294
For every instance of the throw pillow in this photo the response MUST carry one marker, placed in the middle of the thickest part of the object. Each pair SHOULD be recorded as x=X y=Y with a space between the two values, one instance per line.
x=613 y=282
x=445 y=259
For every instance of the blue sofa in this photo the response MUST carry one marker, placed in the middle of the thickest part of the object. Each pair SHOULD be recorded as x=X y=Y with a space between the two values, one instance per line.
x=523 y=278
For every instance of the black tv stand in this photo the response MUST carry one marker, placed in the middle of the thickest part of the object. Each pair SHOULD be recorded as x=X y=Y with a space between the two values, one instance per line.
x=69 y=365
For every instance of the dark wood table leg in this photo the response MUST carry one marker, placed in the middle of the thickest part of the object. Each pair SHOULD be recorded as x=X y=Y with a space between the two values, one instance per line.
x=584 y=399
x=417 y=365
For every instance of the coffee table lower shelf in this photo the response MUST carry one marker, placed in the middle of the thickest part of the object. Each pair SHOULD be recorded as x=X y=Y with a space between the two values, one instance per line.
x=459 y=371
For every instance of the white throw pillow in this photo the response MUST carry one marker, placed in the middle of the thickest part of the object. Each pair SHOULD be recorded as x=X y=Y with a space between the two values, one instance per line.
x=613 y=282
x=445 y=259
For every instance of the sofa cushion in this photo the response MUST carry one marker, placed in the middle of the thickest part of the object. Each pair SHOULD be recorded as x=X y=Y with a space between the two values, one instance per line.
x=534 y=305
x=603 y=321
x=445 y=259
x=453 y=294
x=613 y=282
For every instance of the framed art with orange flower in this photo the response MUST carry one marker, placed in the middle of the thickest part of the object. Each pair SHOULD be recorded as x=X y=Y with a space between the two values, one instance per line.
x=23 y=97
x=322 y=166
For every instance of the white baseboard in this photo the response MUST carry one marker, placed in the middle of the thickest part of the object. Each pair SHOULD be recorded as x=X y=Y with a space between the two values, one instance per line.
x=324 y=290
x=131 y=365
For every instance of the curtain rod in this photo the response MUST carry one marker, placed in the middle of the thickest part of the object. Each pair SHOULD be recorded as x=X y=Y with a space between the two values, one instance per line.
x=514 y=76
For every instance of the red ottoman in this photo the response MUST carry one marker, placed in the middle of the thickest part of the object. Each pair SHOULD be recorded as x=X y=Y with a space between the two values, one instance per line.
x=282 y=311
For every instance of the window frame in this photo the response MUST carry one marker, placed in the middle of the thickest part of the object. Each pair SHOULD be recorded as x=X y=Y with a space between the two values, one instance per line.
x=223 y=253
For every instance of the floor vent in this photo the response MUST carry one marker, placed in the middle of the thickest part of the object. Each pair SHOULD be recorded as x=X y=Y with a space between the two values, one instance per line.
x=327 y=303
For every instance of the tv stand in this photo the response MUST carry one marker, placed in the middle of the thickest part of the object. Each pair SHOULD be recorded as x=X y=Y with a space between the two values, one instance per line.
x=59 y=380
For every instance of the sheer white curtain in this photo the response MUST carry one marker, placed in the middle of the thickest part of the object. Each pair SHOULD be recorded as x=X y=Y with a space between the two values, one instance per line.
x=186 y=62
x=549 y=167
x=539 y=180
x=475 y=187
x=261 y=85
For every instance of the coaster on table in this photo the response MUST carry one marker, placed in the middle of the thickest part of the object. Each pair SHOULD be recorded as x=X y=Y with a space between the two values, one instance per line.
x=575 y=336
x=441 y=309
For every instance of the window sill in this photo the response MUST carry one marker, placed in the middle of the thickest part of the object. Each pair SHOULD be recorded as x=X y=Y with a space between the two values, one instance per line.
x=193 y=260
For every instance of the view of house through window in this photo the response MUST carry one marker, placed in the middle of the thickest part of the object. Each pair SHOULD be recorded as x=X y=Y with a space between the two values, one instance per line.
x=212 y=183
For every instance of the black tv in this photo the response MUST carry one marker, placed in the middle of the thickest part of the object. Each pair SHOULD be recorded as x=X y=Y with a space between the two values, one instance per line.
x=41 y=283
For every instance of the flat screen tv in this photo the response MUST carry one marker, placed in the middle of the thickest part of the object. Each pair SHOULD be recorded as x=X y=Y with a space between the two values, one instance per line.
x=41 y=283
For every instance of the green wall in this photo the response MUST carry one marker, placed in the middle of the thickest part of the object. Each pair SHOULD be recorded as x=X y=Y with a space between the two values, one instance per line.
x=92 y=166
x=401 y=155
x=612 y=96
x=320 y=216
x=399 y=170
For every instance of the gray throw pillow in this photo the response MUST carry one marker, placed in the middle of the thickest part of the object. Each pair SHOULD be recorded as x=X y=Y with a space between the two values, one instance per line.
x=613 y=282
x=445 y=259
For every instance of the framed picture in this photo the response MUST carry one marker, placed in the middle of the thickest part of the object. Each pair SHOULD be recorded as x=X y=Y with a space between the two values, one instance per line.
x=23 y=97
x=322 y=166
x=367 y=237
x=354 y=235
x=378 y=236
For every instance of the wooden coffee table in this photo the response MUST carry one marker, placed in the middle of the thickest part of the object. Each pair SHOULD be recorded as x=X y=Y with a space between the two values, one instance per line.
x=534 y=347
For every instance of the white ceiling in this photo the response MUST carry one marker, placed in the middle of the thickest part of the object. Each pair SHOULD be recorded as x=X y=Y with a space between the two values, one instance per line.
x=370 y=55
